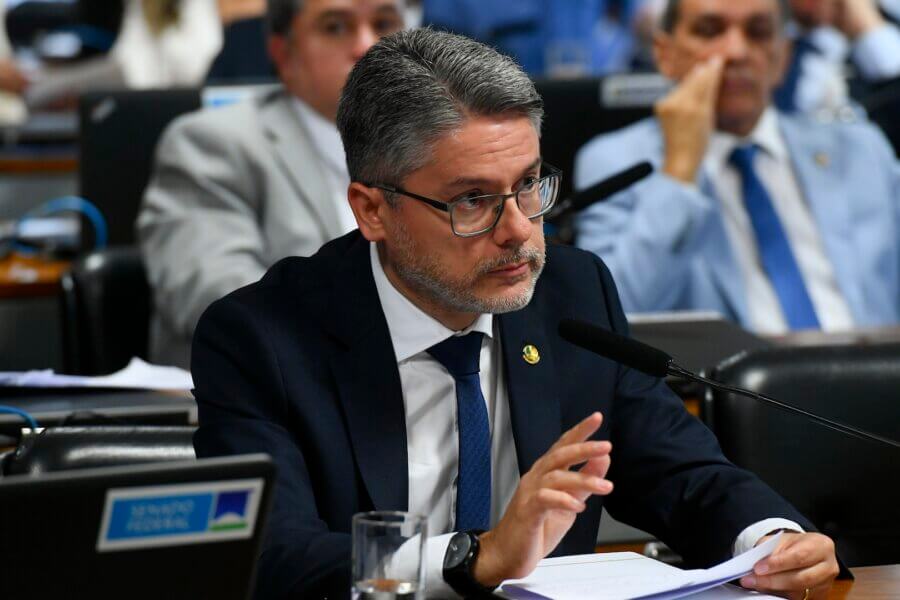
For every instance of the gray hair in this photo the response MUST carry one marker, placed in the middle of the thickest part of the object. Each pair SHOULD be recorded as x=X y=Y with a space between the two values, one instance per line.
x=672 y=13
x=412 y=88
x=280 y=14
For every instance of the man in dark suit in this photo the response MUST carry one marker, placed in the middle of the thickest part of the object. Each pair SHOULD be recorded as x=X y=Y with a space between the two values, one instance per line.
x=414 y=364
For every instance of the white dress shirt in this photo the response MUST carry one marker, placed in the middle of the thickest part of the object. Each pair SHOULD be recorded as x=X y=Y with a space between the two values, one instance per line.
x=773 y=167
x=327 y=142
x=429 y=401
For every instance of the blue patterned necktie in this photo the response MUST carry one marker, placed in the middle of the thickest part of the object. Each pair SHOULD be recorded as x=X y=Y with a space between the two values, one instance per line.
x=771 y=241
x=460 y=356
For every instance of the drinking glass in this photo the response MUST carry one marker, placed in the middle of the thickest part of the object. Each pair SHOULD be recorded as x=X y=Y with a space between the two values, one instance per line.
x=388 y=556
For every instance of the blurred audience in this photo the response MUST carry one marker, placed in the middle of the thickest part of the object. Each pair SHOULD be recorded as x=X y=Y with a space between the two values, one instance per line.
x=553 y=38
x=237 y=188
x=775 y=221
x=827 y=34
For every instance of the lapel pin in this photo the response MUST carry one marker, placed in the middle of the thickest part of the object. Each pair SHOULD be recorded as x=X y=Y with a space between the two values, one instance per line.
x=822 y=159
x=531 y=355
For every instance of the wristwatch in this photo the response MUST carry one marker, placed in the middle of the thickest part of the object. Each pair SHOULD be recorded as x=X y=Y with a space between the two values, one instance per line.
x=459 y=563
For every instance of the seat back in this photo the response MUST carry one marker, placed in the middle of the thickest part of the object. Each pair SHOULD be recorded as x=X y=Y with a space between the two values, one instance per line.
x=846 y=486
x=106 y=306
x=118 y=133
x=65 y=448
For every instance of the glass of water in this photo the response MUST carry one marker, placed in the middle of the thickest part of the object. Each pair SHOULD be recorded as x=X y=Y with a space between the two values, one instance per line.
x=388 y=556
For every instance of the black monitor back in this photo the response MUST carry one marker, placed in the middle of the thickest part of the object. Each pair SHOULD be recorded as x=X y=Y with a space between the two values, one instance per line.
x=576 y=110
x=51 y=524
x=117 y=141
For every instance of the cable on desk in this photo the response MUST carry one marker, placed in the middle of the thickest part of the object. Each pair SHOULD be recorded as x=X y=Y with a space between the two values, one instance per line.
x=18 y=411
x=69 y=204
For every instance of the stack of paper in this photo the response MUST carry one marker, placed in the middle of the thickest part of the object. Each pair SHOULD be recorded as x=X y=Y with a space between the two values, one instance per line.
x=630 y=576
x=137 y=375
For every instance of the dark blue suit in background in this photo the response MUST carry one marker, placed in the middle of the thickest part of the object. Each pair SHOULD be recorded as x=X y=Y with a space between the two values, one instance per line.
x=300 y=365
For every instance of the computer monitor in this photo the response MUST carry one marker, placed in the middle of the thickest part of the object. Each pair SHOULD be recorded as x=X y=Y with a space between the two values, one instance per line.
x=183 y=529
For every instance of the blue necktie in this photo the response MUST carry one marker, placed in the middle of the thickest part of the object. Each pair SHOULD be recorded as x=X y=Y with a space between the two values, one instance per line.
x=786 y=95
x=460 y=356
x=772 y=243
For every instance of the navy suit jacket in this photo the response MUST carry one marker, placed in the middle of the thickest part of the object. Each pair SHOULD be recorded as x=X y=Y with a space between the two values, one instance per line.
x=300 y=365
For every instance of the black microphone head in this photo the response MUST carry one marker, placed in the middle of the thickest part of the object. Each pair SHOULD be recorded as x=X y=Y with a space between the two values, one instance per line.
x=621 y=349
x=611 y=185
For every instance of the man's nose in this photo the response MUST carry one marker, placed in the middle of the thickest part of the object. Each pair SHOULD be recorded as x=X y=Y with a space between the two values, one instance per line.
x=734 y=45
x=365 y=38
x=513 y=228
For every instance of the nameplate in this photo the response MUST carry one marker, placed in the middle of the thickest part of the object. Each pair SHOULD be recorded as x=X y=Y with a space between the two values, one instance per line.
x=179 y=514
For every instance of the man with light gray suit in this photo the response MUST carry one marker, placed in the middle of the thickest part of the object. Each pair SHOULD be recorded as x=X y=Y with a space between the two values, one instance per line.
x=777 y=222
x=237 y=188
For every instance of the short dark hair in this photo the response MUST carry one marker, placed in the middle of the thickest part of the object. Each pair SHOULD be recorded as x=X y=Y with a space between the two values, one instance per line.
x=672 y=12
x=412 y=88
x=280 y=14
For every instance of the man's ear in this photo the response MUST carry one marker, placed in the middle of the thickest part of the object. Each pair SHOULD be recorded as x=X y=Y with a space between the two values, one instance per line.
x=662 y=53
x=277 y=45
x=369 y=207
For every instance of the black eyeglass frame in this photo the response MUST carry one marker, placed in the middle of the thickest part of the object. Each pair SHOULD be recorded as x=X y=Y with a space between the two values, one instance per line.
x=448 y=206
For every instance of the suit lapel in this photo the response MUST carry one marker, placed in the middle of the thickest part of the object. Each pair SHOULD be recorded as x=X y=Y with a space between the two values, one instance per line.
x=368 y=381
x=816 y=165
x=298 y=159
x=532 y=388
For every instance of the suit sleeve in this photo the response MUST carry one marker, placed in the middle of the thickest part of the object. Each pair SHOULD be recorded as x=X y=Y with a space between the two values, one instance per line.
x=671 y=477
x=242 y=409
x=198 y=225
x=647 y=235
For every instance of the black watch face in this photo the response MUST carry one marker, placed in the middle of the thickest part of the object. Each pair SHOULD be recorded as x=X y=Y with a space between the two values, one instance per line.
x=457 y=550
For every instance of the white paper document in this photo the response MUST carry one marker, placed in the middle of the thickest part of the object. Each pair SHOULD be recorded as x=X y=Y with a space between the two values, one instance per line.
x=137 y=375
x=630 y=576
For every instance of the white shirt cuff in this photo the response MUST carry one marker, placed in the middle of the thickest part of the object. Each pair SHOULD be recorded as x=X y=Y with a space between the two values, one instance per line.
x=403 y=565
x=750 y=536
x=877 y=53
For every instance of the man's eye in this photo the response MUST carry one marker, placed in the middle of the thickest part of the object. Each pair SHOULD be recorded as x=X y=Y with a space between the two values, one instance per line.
x=471 y=202
x=761 y=32
x=387 y=25
x=335 y=27
x=529 y=181
x=707 y=29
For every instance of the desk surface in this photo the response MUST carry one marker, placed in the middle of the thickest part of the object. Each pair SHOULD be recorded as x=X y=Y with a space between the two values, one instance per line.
x=872 y=583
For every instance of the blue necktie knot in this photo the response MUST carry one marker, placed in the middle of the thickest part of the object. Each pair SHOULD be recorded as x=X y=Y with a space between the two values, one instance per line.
x=742 y=158
x=460 y=354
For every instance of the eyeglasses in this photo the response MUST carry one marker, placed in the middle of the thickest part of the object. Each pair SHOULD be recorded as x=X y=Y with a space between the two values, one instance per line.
x=477 y=214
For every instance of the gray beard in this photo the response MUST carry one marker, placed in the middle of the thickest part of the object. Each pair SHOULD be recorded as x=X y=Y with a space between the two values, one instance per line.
x=424 y=275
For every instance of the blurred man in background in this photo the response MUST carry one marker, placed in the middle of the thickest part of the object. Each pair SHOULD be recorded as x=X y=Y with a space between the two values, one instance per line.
x=775 y=222
x=237 y=188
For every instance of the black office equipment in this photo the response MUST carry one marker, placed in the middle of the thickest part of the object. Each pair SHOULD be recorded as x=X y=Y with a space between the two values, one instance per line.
x=118 y=136
x=576 y=110
x=136 y=531
x=106 y=306
x=847 y=487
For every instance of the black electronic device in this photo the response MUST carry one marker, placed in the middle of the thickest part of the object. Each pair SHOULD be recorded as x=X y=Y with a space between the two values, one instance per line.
x=184 y=529
x=655 y=362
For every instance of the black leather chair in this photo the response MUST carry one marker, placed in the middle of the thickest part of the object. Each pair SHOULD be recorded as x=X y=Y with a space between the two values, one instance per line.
x=106 y=305
x=118 y=133
x=848 y=487
x=63 y=448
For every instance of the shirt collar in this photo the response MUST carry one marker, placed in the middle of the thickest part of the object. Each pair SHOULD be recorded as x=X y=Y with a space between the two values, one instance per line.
x=766 y=135
x=324 y=136
x=412 y=330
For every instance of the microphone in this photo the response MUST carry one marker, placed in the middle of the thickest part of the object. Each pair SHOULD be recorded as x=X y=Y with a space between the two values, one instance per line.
x=655 y=362
x=602 y=190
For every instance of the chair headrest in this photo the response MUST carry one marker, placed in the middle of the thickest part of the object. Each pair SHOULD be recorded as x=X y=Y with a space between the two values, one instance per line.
x=62 y=448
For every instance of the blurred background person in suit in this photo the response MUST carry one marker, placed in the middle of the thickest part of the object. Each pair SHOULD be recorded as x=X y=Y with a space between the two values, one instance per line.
x=237 y=188
x=776 y=222
x=827 y=34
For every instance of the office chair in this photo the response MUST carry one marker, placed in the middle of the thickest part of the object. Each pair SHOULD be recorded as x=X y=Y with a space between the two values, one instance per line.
x=846 y=486
x=117 y=141
x=64 y=448
x=577 y=110
x=882 y=103
x=106 y=307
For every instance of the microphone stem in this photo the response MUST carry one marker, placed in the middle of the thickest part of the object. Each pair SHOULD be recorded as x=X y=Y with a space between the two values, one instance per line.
x=678 y=371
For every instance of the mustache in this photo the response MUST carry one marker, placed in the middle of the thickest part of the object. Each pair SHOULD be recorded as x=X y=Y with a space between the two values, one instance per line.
x=521 y=254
